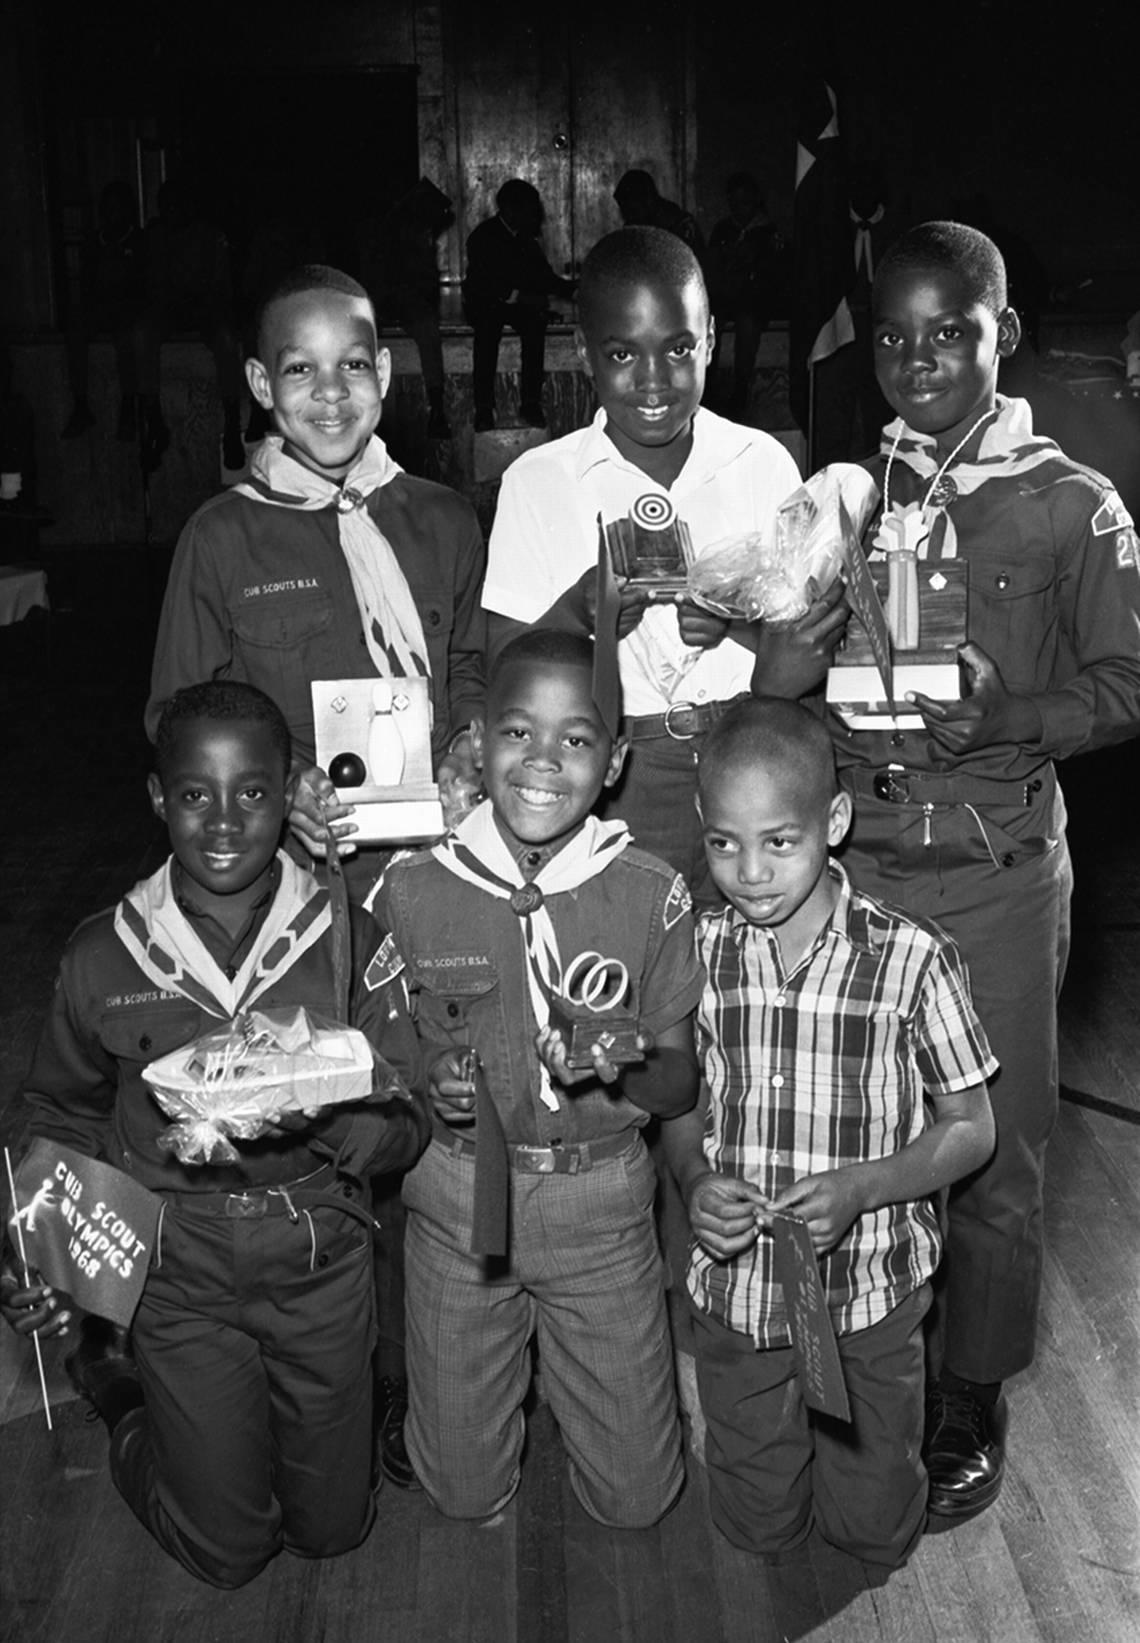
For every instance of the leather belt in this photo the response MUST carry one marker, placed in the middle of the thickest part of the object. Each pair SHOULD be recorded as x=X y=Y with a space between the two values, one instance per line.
x=895 y=785
x=681 y=722
x=554 y=1160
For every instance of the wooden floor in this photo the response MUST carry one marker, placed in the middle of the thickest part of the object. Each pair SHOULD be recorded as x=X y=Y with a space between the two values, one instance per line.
x=1058 y=1557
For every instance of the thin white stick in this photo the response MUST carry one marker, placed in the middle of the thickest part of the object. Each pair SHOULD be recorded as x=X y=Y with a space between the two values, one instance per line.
x=27 y=1280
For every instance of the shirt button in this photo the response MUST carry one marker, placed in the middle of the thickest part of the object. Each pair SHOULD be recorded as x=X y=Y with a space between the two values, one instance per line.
x=144 y=1042
x=433 y=618
x=453 y=1010
x=777 y=1081
x=1001 y=581
x=533 y=857
x=702 y=695
x=781 y=999
x=897 y=739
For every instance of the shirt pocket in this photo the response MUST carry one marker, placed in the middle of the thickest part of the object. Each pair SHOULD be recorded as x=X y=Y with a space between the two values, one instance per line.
x=282 y=623
x=142 y=1035
x=1013 y=613
x=455 y=1006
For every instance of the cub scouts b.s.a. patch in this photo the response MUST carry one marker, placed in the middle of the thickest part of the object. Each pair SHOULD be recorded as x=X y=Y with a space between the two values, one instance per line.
x=677 y=903
x=385 y=965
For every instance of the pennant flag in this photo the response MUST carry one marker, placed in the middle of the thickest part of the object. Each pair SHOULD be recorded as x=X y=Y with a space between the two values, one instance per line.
x=821 y=321
x=88 y=1228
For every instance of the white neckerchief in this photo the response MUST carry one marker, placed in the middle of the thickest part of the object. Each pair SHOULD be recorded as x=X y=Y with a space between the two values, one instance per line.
x=477 y=853
x=1008 y=446
x=392 y=627
x=169 y=951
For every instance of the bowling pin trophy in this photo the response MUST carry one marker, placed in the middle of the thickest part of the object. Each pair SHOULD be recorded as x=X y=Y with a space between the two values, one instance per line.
x=596 y=1004
x=373 y=737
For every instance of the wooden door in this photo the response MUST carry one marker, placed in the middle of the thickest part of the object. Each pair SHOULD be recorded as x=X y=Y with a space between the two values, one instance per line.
x=568 y=103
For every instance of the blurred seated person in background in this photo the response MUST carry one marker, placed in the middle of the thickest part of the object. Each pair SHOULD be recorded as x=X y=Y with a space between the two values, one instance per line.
x=509 y=282
x=188 y=289
x=641 y=206
x=745 y=271
x=407 y=277
x=110 y=299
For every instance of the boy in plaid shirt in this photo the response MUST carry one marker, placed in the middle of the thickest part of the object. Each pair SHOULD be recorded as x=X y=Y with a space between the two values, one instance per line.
x=826 y=1018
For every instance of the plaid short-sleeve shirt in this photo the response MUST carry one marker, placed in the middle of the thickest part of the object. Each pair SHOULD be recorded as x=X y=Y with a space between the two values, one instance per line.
x=823 y=1067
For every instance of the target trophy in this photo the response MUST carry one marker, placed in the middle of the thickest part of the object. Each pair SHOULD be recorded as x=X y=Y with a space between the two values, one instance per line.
x=596 y=1004
x=651 y=547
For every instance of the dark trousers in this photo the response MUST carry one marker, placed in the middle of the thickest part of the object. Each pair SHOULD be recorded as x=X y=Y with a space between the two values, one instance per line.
x=998 y=880
x=487 y=325
x=776 y=1469
x=253 y=1340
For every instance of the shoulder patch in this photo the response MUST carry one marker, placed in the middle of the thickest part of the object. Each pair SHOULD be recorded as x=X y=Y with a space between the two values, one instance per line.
x=384 y=966
x=677 y=903
x=1111 y=516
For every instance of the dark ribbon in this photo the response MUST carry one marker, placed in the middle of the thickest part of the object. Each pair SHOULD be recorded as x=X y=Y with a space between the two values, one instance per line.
x=489 y=1213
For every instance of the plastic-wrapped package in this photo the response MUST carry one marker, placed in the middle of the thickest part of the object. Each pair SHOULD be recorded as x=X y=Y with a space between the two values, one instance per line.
x=777 y=577
x=239 y=1080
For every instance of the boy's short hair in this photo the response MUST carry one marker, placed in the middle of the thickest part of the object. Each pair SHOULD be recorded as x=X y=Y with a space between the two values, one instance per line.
x=552 y=647
x=637 y=256
x=220 y=701
x=954 y=245
x=308 y=276
x=771 y=732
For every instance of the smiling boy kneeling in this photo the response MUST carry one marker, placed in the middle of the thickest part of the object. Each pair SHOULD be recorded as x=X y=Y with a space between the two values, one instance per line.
x=243 y=1423
x=484 y=925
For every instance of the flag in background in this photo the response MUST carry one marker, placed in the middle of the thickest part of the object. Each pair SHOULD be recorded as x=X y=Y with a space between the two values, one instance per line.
x=821 y=321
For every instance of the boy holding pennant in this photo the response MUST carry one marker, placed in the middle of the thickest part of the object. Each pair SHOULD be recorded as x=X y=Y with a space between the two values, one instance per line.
x=827 y=1019
x=243 y=1423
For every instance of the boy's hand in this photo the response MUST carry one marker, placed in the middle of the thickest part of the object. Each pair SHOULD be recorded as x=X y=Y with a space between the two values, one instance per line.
x=828 y=1203
x=633 y=603
x=699 y=628
x=723 y=1213
x=31 y=1306
x=793 y=660
x=315 y=809
x=551 y=1049
x=451 y=1086
x=460 y=783
x=987 y=713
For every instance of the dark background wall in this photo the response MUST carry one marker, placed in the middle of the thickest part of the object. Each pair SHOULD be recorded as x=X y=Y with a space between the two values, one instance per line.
x=324 y=111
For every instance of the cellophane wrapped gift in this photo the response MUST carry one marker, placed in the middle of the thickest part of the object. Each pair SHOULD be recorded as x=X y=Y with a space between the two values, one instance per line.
x=239 y=1080
x=777 y=576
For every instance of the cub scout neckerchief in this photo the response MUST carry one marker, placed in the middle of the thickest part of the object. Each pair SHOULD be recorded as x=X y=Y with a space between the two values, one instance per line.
x=169 y=951
x=388 y=614
x=1008 y=447
x=477 y=853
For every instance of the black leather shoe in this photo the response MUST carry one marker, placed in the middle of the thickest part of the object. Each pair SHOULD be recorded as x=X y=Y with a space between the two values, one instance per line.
x=102 y=1369
x=964 y=1452
x=391 y=1410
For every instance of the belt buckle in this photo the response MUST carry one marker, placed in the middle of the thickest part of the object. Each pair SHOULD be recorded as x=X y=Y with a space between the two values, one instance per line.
x=679 y=707
x=538 y=1160
x=240 y=1207
x=893 y=787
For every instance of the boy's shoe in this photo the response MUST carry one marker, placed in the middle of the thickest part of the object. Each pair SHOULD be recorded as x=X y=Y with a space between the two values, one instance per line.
x=964 y=1452
x=391 y=1411
x=484 y=421
x=533 y=415
x=103 y=1370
